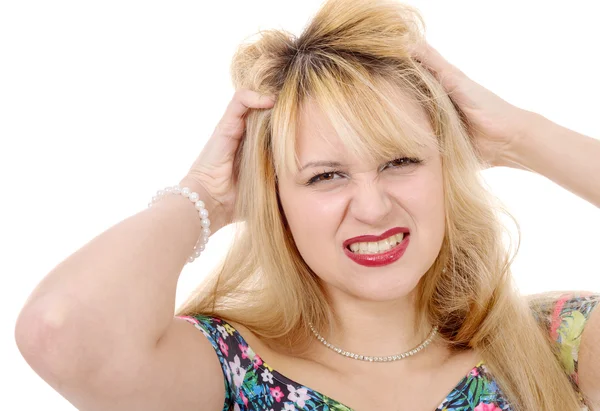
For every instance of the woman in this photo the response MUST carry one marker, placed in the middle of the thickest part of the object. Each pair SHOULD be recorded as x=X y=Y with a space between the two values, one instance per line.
x=369 y=272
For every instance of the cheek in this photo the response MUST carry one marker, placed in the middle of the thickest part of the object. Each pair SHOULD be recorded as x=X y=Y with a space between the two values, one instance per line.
x=428 y=204
x=423 y=199
x=314 y=218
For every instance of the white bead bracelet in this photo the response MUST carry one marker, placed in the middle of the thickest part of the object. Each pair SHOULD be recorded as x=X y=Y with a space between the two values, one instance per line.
x=202 y=212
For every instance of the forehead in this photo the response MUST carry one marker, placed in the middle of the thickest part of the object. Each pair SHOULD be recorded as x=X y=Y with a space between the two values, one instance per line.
x=317 y=138
x=316 y=133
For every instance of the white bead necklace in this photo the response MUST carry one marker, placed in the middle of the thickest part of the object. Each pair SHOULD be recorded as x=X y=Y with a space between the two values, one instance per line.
x=375 y=358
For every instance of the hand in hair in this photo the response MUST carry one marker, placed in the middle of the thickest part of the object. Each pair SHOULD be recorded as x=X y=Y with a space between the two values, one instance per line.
x=212 y=172
x=494 y=124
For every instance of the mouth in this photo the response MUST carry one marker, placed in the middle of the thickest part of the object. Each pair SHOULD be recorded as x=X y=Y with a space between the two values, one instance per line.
x=377 y=244
x=376 y=251
x=377 y=247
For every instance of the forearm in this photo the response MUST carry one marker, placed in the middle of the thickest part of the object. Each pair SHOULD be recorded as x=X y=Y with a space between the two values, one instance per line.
x=566 y=157
x=116 y=293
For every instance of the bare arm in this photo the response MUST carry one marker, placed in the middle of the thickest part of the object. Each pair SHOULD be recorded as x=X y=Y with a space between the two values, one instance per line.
x=99 y=291
x=99 y=328
x=506 y=135
x=566 y=157
x=91 y=327
x=571 y=160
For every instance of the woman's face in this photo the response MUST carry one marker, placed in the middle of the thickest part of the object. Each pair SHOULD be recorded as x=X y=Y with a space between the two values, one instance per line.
x=328 y=207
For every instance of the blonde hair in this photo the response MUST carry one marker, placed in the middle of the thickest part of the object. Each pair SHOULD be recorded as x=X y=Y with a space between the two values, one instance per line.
x=351 y=60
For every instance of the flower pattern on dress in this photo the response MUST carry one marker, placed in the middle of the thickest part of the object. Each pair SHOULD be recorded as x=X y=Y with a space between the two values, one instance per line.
x=251 y=384
x=298 y=395
x=565 y=320
x=487 y=407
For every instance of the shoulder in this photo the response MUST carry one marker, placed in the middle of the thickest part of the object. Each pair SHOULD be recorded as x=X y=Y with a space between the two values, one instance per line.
x=562 y=313
x=573 y=324
x=213 y=327
x=242 y=367
x=231 y=346
x=234 y=354
x=589 y=359
x=228 y=343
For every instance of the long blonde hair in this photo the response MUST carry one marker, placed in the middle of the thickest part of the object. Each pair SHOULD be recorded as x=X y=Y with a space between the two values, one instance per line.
x=351 y=60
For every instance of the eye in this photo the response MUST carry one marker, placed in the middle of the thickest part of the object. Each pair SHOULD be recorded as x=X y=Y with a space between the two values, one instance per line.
x=402 y=162
x=322 y=177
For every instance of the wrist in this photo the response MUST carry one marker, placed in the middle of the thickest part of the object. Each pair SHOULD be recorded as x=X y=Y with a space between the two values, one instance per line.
x=215 y=210
x=526 y=141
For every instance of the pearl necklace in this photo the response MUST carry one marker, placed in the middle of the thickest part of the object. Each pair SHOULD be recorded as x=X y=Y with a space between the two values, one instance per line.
x=375 y=358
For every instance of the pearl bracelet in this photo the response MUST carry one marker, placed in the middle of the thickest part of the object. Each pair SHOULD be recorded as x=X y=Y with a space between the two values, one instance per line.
x=202 y=212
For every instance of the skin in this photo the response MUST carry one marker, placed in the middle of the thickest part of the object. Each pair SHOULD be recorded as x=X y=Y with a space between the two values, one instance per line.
x=363 y=198
x=508 y=136
x=504 y=135
x=160 y=353
x=374 y=306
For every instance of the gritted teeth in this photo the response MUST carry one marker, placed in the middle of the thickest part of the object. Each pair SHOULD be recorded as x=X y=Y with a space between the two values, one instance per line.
x=377 y=246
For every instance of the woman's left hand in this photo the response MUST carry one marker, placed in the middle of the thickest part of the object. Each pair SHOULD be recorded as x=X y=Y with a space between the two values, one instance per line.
x=494 y=124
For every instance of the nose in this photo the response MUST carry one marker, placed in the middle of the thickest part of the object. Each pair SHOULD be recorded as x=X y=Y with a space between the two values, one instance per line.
x=370 y=203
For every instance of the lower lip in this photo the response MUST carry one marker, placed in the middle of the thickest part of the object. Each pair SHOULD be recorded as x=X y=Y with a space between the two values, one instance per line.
x=379 y=260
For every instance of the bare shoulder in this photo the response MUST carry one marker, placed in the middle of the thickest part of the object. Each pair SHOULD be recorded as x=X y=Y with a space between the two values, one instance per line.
x=182 y=372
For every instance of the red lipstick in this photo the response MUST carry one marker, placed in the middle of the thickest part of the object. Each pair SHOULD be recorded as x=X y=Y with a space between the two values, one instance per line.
x=379 y=259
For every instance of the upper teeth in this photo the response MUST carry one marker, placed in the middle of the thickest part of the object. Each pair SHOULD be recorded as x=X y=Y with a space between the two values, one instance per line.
x=378 y=246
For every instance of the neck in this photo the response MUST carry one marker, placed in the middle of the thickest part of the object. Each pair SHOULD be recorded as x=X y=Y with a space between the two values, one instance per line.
x=374 y=327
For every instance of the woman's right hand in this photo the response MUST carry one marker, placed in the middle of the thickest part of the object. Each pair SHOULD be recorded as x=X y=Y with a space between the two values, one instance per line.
x=211 y=174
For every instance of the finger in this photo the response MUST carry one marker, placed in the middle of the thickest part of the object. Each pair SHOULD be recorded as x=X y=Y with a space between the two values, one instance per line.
x=243 y=99
x=433 y=60
x=450 y=77
x=427 y=55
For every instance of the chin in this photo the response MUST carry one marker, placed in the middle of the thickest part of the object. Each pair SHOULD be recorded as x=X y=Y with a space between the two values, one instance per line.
x=383 y=288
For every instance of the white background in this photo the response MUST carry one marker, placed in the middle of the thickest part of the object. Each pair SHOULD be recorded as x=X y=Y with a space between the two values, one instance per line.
x=103 y=103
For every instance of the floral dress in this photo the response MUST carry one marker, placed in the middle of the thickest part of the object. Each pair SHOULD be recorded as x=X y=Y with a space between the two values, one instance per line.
x=251 y=384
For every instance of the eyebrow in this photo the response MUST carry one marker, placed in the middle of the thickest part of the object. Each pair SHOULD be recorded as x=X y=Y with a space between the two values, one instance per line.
x=320 y=164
